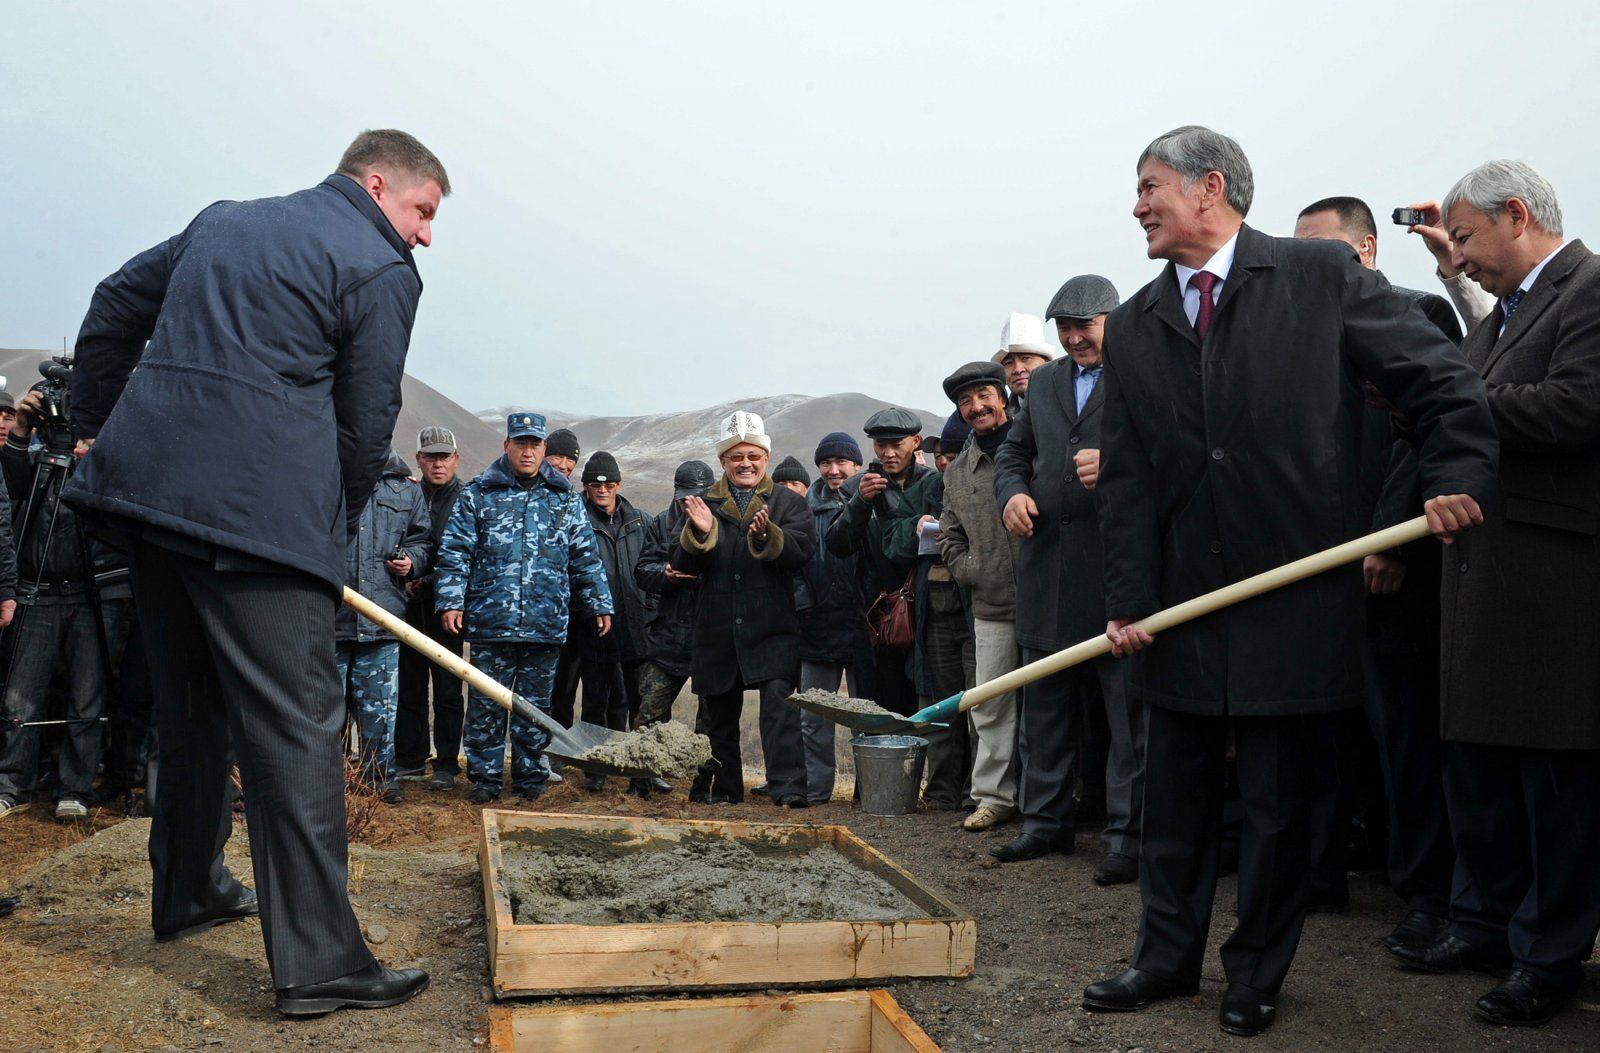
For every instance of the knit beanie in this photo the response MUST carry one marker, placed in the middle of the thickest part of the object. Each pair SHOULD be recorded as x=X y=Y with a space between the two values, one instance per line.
x=561 y=443
x=790 y=470
x=954 y=435
x=601 y=468
x=837 y=444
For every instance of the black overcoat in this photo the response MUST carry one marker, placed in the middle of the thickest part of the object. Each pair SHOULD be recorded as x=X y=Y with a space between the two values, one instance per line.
x=1060 y=593
x=669 y=606
x=620 y=544
x=745 y=628
x=1521 y=637
x=1228 y=458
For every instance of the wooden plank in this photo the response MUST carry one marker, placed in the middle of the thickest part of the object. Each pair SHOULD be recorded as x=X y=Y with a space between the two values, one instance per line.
x=727 y=955
x=895 y=1032
x=502 y=1036
x=837 y=1022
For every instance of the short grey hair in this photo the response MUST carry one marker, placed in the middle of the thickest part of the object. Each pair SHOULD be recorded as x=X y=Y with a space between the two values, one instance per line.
x=381 y=148
x=1488 y=187
x=1194 y=150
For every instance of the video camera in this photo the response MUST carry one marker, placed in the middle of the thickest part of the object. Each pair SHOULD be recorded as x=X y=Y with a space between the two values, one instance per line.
x=53 y=423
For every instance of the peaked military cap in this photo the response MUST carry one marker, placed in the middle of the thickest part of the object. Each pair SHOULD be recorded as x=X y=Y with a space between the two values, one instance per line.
x=530 y=424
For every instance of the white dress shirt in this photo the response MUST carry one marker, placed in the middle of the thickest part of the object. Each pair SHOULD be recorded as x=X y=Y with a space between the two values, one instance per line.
x=1533 y=276
x=1219 y=264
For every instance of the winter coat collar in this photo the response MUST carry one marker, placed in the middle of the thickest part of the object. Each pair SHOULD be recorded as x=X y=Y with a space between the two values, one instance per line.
x=720 y=498
x=498 y=476
x=369 y=208
x=821 y=499
x=1254 y=251
x=626 y=516
x=395 y=466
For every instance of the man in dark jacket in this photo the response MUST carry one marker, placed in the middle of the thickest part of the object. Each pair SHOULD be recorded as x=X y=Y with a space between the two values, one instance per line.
x=516 y=568
x=293 y=323
x=392 y=544
x=562 y=453
x=1044 y=484
x=1403 y=639
x=611 y=662
x=746 y=539
x=833 y=613
x=1223 y=457
x=1521 y=643
x=437 y=460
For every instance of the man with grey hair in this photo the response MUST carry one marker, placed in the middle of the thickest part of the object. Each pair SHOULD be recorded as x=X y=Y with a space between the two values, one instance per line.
x=1229 y=445
x=287 y=317
x=1521 y=632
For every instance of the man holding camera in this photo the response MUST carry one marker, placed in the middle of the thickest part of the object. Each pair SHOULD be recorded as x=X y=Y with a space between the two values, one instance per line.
x=290 y=317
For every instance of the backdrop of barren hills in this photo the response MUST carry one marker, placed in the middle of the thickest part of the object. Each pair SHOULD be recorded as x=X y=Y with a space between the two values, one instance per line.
x=647 y=448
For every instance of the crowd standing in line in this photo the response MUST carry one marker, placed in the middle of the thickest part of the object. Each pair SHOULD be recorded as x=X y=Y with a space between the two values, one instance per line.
x=1434 y=709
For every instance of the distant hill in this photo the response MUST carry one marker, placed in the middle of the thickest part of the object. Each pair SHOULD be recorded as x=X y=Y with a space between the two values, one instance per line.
x=650 y=448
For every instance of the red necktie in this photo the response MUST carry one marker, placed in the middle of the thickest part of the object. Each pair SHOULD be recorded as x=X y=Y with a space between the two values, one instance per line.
x=1205 y=281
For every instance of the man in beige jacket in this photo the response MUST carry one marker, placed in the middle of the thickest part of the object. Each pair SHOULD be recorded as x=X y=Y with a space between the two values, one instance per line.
x=981 y=556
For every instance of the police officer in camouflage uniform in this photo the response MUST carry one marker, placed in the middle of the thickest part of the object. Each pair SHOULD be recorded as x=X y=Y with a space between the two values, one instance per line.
x=392 y=544
x=517 y=550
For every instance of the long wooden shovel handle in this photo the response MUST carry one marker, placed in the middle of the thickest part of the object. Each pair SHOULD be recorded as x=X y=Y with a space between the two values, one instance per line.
x=420 y=641
x=1249 y=588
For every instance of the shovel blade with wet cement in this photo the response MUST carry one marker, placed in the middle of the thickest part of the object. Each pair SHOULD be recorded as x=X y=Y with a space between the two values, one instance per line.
x=1228 y=595
x=842 y=709
x=567 y=744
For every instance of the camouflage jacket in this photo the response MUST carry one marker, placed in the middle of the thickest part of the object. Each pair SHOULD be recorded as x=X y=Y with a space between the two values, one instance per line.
x=514 y=556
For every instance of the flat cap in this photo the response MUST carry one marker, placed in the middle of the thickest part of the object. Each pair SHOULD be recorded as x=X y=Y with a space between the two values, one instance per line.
x=972 y=374
x=892 y=423
x=1086 y=296
x=692 y=477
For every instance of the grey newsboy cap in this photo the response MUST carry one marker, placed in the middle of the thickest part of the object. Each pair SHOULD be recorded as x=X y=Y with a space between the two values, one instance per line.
x=972 y=374
x=892 y=423
x=1085 y=296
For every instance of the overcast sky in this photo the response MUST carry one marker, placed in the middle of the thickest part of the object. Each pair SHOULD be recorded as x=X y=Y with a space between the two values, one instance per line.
x=660 y=206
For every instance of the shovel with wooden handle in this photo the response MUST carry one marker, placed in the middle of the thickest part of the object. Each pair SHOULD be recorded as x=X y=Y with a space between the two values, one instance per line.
x=1249 y=588
x=568 y=744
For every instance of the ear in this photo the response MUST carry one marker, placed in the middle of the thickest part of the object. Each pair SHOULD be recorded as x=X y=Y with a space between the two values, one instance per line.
x=1213 y=188
x=1519 y=216
x=1367 y=249
x=375 y=185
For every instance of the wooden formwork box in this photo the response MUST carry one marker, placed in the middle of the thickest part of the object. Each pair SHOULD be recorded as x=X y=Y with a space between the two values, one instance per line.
x=564 y=959
x=834 y=1022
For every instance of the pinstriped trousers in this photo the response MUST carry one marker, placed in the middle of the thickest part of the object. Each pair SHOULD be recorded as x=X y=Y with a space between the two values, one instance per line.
x=246 y=658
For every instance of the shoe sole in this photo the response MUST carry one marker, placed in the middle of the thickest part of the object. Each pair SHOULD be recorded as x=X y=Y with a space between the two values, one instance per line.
x=1446 y=970
x=1503 y=1021
x=1107 y=1007
x=16 y=809
x=210 y=923
x=324 y=1006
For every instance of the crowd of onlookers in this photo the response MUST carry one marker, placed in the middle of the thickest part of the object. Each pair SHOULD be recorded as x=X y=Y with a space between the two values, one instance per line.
x=1058 y=502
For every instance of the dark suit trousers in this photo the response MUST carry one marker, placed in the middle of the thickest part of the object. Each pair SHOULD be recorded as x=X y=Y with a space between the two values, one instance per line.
x=417 y=674
x=247 y=658
x=1527 y=834
x=1049 y=738
x=781 y=745
x=564 y=695
x=611 y=696
x=1403 y=710
x=1184 y=772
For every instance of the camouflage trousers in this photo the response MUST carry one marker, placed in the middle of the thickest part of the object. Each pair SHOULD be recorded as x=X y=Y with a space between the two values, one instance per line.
x=530 y=671
x=370 y=673
x=658 y=689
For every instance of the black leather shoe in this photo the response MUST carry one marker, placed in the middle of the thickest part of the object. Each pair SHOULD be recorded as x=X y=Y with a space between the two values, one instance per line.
x=1031 y=846
x=761 y=791
x=1417 y=929
x=792 y=800
x=1449 y=954
x=1246 y=1011
x=371 y=988
x=1521 y=1000
x=1116 y=869
x=640 y=788
x=244 y=905
x=1134 y=989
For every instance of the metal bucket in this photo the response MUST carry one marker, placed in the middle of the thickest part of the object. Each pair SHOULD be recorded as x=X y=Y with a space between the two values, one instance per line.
x=889 y=772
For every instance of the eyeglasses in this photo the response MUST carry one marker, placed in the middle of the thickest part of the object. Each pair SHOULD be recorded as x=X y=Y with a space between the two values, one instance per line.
x=736 y=458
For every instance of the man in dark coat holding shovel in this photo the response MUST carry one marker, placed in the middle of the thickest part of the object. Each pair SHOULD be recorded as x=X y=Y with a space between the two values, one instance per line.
x=287 y=317
x=1233 y=407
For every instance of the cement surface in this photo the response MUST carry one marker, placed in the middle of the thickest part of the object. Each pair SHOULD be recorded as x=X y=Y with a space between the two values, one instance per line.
x=669 y=749
x=845 y=703
x=585 y=880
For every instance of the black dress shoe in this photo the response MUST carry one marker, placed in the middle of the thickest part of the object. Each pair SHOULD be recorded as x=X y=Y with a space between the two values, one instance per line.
x=1246 y=1011
x=1449 y=954
x=1417 y=929
x=371 y=988
x=1116 y=869
x=244 y=905
x=1521 y=1000
x=792 y=800
x=1134 y=989
x=763 y=790
x=1031 y=846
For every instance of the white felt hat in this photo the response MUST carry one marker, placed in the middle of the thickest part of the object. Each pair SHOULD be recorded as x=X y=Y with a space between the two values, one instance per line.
x=1025 y=333
x=742 y=427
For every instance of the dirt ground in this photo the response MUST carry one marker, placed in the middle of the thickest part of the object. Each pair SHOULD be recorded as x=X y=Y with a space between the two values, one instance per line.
x=79 y=971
